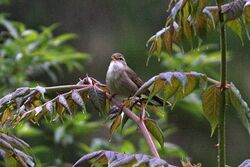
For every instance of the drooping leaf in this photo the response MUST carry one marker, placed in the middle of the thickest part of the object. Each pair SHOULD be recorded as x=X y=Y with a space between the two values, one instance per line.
x=16 y=149
x=240 y=106
x=155 y=130
x=62 y=100
x=78 y=100
x=115 y=159
x=236 y=27
x=49 y=106
x=41 y=90
x=116 y=123
x=245 y=163
x=211 y=103
x=98 y=98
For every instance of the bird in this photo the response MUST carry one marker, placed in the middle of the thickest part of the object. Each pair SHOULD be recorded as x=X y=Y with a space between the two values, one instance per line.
x=122 y=80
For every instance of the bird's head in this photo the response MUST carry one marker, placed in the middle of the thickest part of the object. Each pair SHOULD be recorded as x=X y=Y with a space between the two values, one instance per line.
x=118 y=57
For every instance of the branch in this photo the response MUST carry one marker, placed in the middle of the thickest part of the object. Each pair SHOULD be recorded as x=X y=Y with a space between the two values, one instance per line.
x=223 y=80
x=141 y=126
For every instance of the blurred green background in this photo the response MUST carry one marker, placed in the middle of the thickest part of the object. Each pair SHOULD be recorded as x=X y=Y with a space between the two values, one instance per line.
x=105 y=27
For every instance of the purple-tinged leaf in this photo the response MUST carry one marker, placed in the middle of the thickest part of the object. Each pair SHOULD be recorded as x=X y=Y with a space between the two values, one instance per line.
x=62 y=100
x=88 y=157
x=76 y=97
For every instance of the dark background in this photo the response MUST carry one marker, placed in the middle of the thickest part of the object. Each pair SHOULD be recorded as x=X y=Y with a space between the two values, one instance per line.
x=105 y=27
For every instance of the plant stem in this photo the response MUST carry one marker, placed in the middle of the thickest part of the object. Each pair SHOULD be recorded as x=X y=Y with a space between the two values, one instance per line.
x=223 y=78
x=142 y=127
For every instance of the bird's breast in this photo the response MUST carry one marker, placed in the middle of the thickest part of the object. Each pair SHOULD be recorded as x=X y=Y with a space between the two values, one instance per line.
x=113 y=76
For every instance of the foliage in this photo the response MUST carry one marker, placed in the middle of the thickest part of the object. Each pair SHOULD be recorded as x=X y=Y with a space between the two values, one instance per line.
x=187 y=21
x=26 y=53
x=192 y=20
x=15 y=151
x=114 y=159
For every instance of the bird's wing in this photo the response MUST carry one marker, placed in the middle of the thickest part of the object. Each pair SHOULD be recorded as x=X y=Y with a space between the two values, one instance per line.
x=133 y=76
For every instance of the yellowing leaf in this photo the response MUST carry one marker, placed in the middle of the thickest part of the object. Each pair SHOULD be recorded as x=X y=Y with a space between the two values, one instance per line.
x=211 y=103
x=167 y=38
x=4 y=117
x=115 y=125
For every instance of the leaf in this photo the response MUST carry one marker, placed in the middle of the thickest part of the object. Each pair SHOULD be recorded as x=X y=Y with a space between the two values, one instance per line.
x=170 y=88
x=76 y=97
x=10 y=27
x=116 y=123
x=115 y=159
x=41 y=90
x=240 y=106
x=4 y=116
x=247 y=17
x=28 y=159
x=211 y=103
x=155 y=130
x=236 y=27
x=62 y=100
x=16 y=149
x=167 y=39
x=49 y=106
x=63 y=38
x=98 y=98
x=177 y=8
x=245 y=163
x=192 y=82
x=157 y=87
x=158 y=45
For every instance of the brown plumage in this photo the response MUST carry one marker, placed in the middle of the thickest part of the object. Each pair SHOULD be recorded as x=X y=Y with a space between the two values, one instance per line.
x=122 y=80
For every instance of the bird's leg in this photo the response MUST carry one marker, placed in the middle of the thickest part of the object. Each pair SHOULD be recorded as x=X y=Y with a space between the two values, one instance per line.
x=112 y=96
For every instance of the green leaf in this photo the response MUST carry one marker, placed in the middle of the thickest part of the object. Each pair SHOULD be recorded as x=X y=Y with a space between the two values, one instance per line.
x=170 y=88
x=157 y=87
x=63 y=38
x=10 y=27
x=247 y=17
x=155 y=130
x=236 y=27
x=240 y=106
x=211 y=103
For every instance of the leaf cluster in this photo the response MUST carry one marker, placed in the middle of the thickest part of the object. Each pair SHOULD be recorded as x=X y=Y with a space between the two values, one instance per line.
x=13 y=149
x=192 y=20
x=27 y=52
x=115 y=159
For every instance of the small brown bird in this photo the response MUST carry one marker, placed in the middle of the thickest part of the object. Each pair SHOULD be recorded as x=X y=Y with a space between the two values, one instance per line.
x=122 y=80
